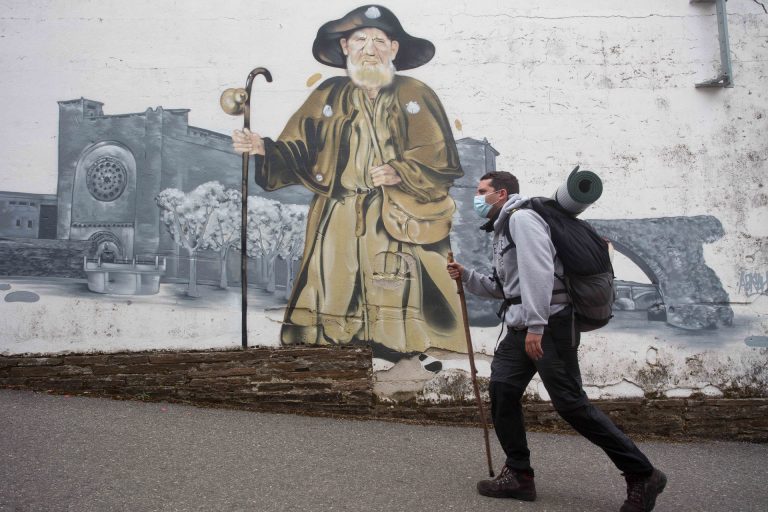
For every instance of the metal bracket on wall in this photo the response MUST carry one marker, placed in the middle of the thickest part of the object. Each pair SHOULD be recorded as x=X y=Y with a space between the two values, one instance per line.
x=725 y=79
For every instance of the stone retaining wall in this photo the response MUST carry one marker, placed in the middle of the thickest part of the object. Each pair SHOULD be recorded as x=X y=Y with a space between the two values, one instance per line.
x=721 y=419
x=338 y=381
x=307 y=380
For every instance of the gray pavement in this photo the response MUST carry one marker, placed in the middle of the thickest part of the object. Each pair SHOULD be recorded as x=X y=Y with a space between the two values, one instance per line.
x=60 y=453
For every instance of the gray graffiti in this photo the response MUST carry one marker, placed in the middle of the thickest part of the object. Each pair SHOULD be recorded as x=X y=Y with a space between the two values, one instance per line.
x=753 y=283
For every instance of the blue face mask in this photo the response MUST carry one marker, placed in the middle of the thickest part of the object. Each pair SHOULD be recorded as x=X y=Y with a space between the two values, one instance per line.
x=482 y=208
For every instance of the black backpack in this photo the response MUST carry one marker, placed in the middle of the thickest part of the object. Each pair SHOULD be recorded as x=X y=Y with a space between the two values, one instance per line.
x=588 y=273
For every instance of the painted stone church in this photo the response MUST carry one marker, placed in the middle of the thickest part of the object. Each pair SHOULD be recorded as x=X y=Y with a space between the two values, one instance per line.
x=111 y=168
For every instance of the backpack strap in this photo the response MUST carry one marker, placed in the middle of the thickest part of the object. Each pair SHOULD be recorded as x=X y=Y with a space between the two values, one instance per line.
x=505 y=302
x=502 y=312
x=508 y=236
x=567 y=292
x=561 y=295
x=558 y=297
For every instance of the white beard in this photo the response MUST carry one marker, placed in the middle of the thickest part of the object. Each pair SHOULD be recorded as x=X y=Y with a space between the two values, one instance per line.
x=371 y=77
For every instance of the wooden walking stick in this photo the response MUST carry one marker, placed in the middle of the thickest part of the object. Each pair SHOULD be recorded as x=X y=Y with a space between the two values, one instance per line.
x=236 y=102
x=473 y=370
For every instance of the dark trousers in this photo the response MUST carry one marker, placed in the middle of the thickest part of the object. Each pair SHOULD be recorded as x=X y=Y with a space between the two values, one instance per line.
x=512 y=370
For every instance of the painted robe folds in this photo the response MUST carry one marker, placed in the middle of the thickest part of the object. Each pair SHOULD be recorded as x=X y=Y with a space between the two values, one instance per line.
x=357 y=283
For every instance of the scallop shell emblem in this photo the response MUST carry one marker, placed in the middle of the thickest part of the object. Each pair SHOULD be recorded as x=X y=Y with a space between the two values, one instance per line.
x=412 y=107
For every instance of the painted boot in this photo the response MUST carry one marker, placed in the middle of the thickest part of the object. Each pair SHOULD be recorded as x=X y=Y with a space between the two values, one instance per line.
x=642 y=491
x=429 y=363
x=510 y=483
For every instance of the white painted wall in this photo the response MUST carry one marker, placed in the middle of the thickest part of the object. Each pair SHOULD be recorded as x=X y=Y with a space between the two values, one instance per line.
x=550 y=83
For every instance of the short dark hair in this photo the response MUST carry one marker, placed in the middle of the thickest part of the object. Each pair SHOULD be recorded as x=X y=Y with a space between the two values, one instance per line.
x=503 y=179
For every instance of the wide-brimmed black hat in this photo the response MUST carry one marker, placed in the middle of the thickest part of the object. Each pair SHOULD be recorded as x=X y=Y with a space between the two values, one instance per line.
x=413 y=51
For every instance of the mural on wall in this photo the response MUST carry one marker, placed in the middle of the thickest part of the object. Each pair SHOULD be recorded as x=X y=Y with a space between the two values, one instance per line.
x=348 y=231
x=681 y=290
x=670 y=251
x=202 y=224
x=376 y=150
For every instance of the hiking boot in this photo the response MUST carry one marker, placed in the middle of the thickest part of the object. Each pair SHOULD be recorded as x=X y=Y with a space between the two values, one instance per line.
x=642 y=491
x=509 y=484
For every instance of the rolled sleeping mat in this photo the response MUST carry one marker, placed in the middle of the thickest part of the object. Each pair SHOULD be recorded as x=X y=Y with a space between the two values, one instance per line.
x=580 y=190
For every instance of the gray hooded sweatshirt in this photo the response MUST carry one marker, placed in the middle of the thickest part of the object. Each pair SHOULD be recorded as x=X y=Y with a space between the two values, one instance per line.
x=526 y=270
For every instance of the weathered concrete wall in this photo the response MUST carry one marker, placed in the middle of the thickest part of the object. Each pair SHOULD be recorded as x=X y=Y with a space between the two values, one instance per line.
x=549 y=84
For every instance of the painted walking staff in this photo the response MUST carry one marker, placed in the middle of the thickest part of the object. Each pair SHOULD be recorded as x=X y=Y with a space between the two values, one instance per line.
x=235 y=102
x=377 y=150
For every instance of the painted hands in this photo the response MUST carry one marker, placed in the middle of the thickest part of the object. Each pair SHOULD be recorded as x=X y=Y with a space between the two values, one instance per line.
x=384 y=175
x=246 y=141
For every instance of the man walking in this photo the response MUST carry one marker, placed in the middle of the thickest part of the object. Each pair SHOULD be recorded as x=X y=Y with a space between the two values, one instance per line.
x=539 y=339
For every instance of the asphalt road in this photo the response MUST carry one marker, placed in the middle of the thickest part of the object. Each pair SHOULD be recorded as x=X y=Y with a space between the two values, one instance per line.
x=60 y=453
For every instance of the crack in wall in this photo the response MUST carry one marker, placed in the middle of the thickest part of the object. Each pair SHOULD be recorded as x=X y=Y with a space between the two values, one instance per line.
x=597 y=16
x=601 y=17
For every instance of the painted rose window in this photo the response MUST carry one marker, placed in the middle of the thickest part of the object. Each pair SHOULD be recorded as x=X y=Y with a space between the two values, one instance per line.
x=106 y=178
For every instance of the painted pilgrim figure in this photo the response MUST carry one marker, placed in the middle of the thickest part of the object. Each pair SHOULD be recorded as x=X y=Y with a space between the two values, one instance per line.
x=377 y=150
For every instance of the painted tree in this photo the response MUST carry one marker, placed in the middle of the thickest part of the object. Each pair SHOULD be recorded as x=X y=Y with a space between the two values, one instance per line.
x=187 y=218
x=266 y=233
x=224 y=231
x=295 y=217
x=274 y=230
